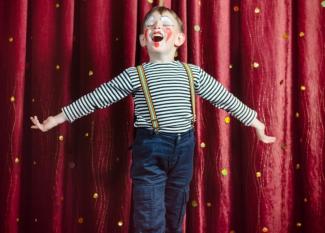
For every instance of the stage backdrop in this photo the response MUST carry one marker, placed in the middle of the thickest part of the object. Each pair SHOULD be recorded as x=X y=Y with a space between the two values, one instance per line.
x=75 y=178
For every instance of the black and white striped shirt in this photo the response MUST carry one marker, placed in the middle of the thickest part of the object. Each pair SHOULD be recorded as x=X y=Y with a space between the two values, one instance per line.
x=169 y=87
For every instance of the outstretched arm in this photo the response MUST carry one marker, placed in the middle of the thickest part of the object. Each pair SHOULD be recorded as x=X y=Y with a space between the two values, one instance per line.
x=103 y=96
x=49 y=123
x=213 y=91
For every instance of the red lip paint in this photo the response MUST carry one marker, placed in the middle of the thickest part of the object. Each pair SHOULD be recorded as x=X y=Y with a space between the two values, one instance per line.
x=156 y=44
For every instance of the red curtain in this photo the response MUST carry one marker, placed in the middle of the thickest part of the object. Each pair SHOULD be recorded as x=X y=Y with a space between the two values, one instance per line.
x=75 y=178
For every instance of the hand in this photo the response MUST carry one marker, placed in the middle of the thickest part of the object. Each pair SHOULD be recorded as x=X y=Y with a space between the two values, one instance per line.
x=260 y=131
x=49 y=123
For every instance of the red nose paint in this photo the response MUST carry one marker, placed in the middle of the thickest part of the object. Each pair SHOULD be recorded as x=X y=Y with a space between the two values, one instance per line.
x=156 y=44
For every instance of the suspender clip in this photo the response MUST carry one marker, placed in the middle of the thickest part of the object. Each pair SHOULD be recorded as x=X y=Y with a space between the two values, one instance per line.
x=156 y=130
x=155 y=126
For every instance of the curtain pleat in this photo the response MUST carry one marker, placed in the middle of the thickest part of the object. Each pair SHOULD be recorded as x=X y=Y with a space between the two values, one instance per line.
x=76 y=177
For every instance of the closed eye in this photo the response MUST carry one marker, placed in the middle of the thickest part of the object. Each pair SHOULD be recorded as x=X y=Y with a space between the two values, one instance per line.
x=166 y=21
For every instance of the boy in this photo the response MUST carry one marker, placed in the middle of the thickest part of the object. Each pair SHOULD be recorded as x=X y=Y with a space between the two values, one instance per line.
x=162 y=157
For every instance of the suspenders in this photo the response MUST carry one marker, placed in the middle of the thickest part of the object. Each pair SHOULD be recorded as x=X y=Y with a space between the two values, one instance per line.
x=147 y=95
x=192 y=91
x=146 y=92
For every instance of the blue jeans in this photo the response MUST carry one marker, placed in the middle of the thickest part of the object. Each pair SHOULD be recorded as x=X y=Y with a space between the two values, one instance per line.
x=162 y=168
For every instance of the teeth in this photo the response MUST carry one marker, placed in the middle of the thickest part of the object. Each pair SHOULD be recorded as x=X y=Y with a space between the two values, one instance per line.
x=157 y=36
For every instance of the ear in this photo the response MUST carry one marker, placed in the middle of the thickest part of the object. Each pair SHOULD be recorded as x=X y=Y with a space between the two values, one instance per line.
x=142 y=40
x=180 y=39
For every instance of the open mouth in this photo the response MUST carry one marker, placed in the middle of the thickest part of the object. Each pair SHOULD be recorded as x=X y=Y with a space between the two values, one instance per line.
x=157 y=37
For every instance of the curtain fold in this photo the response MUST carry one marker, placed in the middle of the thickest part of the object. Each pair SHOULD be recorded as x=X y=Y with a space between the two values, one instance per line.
x=75 y=178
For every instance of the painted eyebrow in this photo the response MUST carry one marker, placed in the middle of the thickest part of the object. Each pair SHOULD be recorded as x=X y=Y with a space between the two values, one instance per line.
x=149 y=20
x=162 y=17
x=166 y=18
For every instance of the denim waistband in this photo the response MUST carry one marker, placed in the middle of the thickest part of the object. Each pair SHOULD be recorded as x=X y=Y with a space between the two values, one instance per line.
x=148 y=131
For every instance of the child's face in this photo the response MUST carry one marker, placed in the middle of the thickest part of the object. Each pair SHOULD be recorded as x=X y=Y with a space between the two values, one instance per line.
x=161 y=34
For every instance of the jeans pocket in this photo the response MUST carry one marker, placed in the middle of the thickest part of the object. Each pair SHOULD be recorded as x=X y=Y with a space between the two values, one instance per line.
x=143 y=201
x=149 y=215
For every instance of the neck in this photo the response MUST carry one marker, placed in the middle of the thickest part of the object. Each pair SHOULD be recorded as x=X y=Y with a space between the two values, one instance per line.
x=161 y=58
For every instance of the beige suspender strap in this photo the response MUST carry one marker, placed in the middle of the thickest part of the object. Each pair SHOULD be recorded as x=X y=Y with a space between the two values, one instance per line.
x=192 y=91
x=146 y=92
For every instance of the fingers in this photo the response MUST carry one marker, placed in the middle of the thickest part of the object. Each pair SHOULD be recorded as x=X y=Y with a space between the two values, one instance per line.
x=272 y=139
x=37 y=124
x=263 y=137
x=267 y=139
x=34 y=120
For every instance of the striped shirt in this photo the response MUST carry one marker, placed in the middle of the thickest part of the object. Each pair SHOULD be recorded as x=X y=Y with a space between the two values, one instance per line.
x=169 y=88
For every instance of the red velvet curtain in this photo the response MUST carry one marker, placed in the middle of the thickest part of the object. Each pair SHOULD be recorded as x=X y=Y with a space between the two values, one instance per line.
x=75 y=178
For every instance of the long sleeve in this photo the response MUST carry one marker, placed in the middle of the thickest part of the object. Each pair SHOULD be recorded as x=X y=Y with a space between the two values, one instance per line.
x=102 y=97
x=212 y=90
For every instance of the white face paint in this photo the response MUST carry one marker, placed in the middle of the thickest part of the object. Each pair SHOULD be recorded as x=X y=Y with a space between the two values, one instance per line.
x=165 y=21
x=159 y=32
